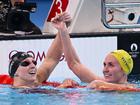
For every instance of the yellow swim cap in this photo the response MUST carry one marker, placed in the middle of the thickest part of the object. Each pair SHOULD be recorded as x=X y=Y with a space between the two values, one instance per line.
x=125 y=60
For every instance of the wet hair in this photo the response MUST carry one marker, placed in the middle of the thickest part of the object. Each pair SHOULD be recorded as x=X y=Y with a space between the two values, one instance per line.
x=15 y=61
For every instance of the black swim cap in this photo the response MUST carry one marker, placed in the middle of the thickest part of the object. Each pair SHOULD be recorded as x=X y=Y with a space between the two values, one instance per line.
x=15 y=61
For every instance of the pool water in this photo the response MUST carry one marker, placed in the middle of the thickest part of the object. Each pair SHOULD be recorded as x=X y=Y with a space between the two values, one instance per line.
x=46 y=95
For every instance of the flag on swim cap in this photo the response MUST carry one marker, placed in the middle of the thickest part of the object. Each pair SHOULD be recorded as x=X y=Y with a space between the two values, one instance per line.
x=125 y=60
x=15 y=61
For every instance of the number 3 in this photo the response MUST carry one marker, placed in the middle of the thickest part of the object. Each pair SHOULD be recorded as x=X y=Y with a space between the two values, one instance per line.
x=59 y=7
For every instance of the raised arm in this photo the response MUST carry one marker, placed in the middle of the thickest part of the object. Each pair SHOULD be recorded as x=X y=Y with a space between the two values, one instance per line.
x=51 y=60
x=53 y=55
x=72 y=58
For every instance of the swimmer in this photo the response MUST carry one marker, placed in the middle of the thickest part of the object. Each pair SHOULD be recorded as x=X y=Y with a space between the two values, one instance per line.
x=118 y=64
x=22 y=66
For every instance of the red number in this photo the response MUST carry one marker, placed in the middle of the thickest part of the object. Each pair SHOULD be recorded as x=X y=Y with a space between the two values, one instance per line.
x=58 y=6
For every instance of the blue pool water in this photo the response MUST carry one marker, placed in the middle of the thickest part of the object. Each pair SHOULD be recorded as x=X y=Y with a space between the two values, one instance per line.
x=46 y=95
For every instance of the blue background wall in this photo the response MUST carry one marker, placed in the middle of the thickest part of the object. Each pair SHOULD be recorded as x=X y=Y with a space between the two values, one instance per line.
x=43 y=7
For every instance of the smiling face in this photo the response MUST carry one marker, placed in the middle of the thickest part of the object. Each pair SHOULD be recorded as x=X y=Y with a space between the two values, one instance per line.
x=26 y=71
x=112 y=70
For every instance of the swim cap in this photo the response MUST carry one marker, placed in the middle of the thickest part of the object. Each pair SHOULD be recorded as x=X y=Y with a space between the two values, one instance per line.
x=125 y=60
x=15 y=61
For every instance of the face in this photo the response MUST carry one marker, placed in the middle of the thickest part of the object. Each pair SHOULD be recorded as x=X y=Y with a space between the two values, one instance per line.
x=27 y=70
x=112 y=70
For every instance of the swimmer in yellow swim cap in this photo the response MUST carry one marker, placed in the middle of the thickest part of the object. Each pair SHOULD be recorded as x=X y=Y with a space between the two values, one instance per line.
x=117 y=64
